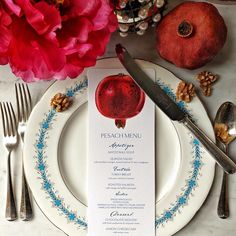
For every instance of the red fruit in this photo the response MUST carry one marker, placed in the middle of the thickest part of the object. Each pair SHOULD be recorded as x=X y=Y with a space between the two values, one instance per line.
x=118 y=97
x=191 y=35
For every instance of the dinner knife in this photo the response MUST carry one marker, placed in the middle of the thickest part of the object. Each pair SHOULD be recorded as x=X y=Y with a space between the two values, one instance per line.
x=171 y=109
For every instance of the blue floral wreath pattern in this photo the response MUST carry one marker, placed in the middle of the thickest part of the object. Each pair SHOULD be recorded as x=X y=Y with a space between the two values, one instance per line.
x=196 y=164
x=58 y=202
x=42 y=167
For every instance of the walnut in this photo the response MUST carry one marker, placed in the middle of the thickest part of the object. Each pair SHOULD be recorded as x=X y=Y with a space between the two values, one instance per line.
x=221 y=131
x=206 y=90
x=185 y=92
x=206 y=79
x=60 y=102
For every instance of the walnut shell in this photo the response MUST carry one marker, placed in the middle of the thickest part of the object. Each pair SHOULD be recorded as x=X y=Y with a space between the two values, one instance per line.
x=60 y=102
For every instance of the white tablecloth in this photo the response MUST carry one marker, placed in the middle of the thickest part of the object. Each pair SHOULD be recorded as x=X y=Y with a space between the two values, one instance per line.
x=206 y=221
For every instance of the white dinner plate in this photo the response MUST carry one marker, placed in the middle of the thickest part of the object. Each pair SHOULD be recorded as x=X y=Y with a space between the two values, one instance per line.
x=55 y=157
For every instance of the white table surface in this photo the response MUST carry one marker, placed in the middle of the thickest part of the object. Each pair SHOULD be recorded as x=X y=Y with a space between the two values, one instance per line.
x=206 y=221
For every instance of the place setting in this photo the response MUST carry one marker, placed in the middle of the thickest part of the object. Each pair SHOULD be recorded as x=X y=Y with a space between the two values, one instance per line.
x=115 y=145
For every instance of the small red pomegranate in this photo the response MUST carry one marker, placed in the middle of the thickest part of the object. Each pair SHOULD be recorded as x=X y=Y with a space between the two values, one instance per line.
x=118 y=97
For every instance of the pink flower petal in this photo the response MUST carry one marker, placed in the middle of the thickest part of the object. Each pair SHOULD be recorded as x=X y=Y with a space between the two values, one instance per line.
x=42 y=40
x=101 y=19
x=42 y=57
x=41 y=16
x=69 y=70
x=13 y=7
x=5 y=35
x=82 y=8
x=78 y=28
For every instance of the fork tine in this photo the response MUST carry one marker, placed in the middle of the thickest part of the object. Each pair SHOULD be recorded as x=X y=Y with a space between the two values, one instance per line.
x=29 y=97
x=11 y=127
x=14 y=118
x=26 y=103
x=3 y=121
x=17 y=103
x=7 y=120
x=22 y=107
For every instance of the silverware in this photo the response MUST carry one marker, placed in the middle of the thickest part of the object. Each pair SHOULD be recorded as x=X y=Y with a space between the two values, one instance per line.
x=170 y=108
x=24 y=107
x=225 y=129
x=10 y=141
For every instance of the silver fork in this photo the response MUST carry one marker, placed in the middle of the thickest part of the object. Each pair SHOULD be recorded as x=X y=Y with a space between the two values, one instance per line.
x=10 y=141
x=24 y=107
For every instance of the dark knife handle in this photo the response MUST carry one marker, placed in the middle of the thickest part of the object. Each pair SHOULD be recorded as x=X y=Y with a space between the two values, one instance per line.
x=220 y=157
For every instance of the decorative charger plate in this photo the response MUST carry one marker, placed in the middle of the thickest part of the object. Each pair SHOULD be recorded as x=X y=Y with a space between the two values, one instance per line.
x=55 y=155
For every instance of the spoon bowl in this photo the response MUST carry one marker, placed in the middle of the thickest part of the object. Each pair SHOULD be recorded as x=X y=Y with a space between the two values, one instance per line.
x=225 y=123
x=225 y=130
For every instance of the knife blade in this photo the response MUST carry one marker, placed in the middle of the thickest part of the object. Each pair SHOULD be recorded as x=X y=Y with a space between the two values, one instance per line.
x=171 y=109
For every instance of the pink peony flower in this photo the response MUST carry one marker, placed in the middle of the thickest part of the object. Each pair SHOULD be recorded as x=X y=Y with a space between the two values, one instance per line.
x=5 y=35
x=53 y=39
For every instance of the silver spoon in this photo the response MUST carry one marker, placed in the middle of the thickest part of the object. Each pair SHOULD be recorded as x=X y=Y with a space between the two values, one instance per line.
x=225 y=130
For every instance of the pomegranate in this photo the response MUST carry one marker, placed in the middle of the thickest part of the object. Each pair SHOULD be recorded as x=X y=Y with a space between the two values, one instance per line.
x=118 y=97
x=191 y=34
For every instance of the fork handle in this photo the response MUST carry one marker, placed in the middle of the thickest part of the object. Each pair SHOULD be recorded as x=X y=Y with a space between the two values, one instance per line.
x=26 y=212
x=10 y=213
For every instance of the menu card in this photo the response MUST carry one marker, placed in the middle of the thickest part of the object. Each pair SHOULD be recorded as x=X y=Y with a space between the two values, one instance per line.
x=121 y=163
